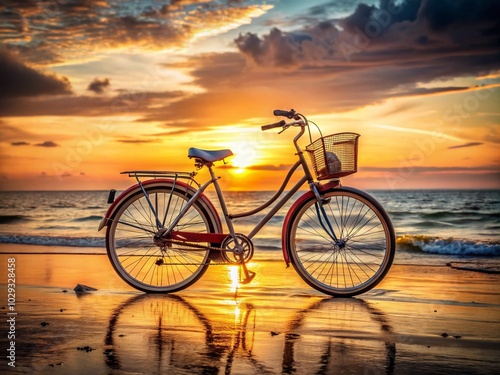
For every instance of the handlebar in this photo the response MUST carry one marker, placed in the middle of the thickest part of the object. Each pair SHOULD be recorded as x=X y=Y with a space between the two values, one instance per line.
x=299 y=121
x=278 y=124
x=291 y=114
x=280 y=112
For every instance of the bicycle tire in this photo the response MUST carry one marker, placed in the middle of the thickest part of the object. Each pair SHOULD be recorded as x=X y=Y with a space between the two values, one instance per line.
x=131 y=247
x=361 y=223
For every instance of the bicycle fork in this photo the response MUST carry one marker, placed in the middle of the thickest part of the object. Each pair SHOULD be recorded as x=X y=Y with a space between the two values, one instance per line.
x=323 y=217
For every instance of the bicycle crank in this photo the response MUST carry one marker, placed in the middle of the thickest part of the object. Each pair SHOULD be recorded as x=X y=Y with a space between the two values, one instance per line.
x=239 y=250
x=237 y=253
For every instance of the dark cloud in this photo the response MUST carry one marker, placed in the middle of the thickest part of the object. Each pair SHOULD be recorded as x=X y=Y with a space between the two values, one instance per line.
x=277 y=48
x=457 y=15
x=402 y=38
x=20 y=143
x=98 y=85
x=292 y=49
x=375 y=53
x=382 y=17
x=47 y=144
x=19 y=80
x=470 y=144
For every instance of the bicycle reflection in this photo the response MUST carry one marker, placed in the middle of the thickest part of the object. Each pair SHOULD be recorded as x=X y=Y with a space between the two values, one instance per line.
x=166 y=333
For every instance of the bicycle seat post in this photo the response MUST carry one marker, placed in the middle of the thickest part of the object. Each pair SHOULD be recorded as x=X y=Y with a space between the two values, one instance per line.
x=238 y=251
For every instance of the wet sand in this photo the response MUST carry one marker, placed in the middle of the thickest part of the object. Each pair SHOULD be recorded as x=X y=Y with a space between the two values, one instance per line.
x=419 y=320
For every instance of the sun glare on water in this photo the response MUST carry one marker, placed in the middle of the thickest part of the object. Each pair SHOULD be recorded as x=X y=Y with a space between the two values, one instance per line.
x=234 y=277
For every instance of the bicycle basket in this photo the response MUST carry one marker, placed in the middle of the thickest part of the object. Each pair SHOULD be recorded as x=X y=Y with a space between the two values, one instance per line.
x=335 y=155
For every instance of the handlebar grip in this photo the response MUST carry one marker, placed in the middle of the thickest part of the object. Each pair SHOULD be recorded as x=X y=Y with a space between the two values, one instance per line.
x=272 y=126
x=279 y=112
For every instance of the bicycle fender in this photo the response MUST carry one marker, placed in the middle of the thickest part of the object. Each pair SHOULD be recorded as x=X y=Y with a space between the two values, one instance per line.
x=158 y=181
x=322 y=189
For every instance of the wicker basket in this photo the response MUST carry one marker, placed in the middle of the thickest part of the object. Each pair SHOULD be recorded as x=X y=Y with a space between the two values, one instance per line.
x=335 y=155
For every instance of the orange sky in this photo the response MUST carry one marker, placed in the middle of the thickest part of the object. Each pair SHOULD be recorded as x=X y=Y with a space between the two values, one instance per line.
x=89 y=89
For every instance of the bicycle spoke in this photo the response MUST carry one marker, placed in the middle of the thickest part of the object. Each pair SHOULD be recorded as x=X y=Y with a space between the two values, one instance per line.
x=351 y=265
x=155 y=266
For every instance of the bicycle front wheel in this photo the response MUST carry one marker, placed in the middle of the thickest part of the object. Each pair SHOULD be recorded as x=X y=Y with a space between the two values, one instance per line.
x=150 y=265
x=360 y=257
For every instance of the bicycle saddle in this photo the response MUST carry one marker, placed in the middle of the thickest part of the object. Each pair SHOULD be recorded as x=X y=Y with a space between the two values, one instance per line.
x=209 y=156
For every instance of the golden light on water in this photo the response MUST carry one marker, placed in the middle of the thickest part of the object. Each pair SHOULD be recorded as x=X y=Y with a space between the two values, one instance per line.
x=234 y=277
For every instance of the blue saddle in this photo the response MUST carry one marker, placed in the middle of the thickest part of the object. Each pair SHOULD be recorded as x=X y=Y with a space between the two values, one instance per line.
x=209 y=156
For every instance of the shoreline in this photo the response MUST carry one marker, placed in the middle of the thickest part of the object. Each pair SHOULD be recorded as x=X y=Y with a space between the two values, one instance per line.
x=489 y=265
x=419 y=319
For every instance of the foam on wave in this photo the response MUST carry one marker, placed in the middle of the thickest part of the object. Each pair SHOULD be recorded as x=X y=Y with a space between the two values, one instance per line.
x=448 y=246
x=53 y=241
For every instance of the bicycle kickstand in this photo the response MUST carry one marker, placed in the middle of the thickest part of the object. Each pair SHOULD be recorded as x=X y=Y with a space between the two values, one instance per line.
x=249 y=275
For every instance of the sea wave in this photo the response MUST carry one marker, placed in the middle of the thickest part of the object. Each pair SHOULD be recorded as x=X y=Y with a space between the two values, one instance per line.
x=465 y=214
x=408 y=243
x=53 y=240
x=447 y=246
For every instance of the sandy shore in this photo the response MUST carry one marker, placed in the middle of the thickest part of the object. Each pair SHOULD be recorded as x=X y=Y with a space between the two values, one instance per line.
x=420 y=320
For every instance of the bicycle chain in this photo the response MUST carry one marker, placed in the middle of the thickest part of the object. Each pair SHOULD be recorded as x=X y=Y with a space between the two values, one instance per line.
x=195 y=245
x=201 y=248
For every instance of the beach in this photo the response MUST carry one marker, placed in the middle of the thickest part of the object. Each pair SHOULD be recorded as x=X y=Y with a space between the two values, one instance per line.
x=420 y=319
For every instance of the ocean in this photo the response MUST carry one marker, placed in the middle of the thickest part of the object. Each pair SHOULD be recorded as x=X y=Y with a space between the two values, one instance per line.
x=432 y=226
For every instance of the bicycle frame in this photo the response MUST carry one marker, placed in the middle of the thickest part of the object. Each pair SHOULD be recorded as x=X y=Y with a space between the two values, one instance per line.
x=216 y=238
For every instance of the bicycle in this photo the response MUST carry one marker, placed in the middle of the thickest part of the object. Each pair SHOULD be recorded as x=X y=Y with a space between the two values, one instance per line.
x=163 y=233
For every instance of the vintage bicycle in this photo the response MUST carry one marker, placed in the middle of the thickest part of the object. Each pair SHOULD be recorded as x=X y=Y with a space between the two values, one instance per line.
x=163 y=232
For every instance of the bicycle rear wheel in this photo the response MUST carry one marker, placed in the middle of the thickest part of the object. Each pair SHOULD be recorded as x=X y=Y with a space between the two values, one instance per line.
x=364 y=254
x=155 y=267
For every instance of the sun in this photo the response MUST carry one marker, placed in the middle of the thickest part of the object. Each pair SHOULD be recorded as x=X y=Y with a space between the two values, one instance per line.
x=245 y=155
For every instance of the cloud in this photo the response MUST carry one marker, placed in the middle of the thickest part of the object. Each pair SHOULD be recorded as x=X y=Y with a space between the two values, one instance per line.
x=51 y=32
x=470 y=144
x=20 y=143
x=98 y=85
x=47 y=144
x=402 y=42
x=127 y=102
x=19 y=80
x=330 y=58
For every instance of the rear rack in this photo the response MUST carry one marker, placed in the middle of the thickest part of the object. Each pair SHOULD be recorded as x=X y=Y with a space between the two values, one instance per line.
x=159 y=174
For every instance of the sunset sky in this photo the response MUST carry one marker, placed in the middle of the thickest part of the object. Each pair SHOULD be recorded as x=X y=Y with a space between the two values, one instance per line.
x=91 y=88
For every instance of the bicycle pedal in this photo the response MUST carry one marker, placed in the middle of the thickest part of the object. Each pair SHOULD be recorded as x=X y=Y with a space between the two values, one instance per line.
x=249 y=278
